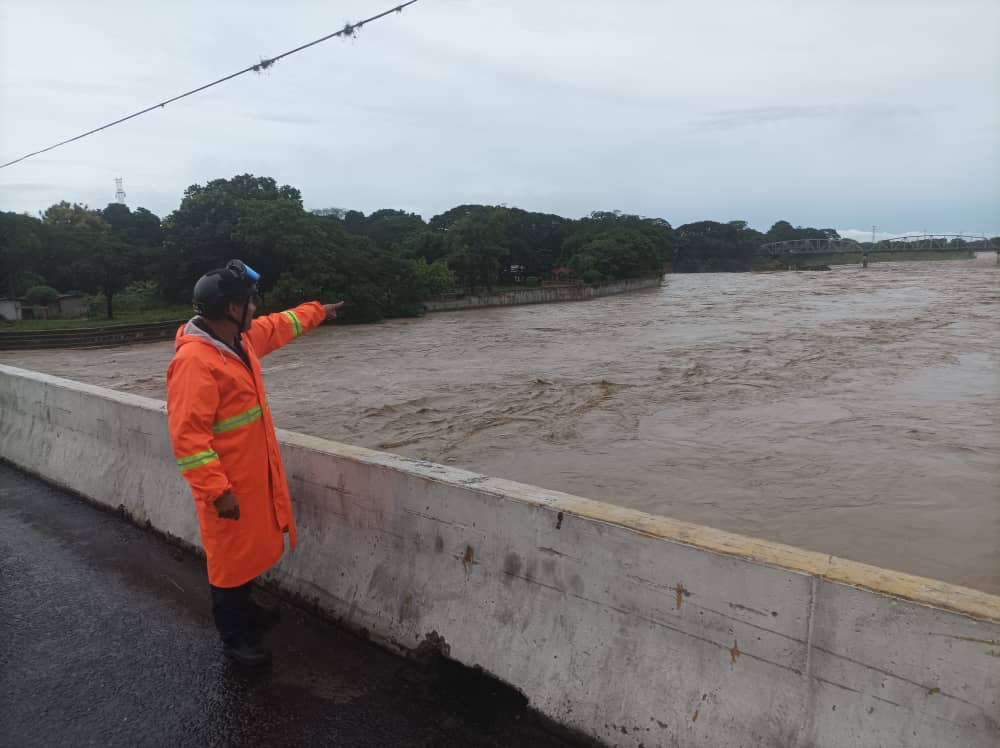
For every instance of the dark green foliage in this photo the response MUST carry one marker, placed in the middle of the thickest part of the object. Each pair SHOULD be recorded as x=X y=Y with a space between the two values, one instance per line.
x=712 y=247
x=41 y=295
x=784 y=231
x=385 y=264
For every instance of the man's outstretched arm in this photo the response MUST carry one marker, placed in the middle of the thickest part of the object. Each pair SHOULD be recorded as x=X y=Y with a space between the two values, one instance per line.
x=270 y=332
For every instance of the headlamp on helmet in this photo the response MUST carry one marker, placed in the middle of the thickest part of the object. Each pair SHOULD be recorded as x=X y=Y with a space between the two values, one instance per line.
x=216 y=289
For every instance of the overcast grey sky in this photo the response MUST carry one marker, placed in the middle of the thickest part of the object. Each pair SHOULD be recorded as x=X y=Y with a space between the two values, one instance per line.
x=842 y=113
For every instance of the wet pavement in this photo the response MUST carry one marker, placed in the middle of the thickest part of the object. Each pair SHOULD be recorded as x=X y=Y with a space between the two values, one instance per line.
x=106 y=639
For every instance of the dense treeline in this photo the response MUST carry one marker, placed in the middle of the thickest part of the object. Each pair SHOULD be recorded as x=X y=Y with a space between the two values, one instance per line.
x=385 y=264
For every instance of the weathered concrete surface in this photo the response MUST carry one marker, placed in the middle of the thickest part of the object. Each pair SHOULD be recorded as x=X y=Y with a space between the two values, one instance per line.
x=635 y=629
x=106 y=639
x=543 y=295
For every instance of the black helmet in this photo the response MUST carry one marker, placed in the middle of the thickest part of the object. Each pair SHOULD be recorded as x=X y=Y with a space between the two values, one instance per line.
x=217 y=288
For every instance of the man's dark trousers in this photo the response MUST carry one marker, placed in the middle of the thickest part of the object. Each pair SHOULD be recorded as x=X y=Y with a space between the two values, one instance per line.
x=233 y=612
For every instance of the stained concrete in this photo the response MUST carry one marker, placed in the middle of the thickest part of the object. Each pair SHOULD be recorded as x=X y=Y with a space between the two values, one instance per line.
x=106 y=639
x=633 y=629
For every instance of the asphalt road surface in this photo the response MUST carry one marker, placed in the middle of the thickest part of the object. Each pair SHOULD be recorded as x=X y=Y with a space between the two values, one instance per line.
x=106 y=639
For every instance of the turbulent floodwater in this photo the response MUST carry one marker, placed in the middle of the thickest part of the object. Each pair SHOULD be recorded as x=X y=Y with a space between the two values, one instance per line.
x=854 y=412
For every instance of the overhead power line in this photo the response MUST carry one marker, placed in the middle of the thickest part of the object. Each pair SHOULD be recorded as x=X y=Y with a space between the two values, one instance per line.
x=348 y=30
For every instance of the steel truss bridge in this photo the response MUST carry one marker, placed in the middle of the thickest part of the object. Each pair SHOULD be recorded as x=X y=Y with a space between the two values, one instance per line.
x=967 y=244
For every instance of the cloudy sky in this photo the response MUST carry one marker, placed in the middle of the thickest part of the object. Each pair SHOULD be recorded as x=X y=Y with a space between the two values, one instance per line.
x=843 y=113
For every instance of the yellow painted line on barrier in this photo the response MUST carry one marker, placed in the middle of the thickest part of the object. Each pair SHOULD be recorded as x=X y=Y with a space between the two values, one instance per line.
x=899 y=584
x=921 y=590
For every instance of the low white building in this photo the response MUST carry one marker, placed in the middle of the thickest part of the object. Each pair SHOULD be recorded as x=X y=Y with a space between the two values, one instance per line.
x=69 y=305
x=10 y=309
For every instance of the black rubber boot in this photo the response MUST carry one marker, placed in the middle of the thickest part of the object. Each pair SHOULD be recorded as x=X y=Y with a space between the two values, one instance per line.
x=262 y=618
x=247 y=652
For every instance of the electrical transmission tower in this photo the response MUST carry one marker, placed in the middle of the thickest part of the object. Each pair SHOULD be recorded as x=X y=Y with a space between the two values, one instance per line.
x=119 y=191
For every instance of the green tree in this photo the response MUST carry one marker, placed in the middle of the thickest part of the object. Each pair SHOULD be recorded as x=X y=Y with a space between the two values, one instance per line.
x=134 y=250
x=299 y=254
x=610 y=245
x=709 y=246
x=140 y=228
x=389 y=229
x=436 y=277
x=374 y=284
x=41 y=295
x=427 y=244
x=73 y=233
x=247 y=217
x=783 y=231
x=615 y=255
x=476 y=213
x=533 y=242
x=475 y=249
x=94 y=251
x=21 y=243
x=354 y=222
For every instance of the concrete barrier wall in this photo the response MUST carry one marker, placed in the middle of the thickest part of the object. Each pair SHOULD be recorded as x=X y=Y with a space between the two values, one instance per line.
x=543 y=295
x=635 y=629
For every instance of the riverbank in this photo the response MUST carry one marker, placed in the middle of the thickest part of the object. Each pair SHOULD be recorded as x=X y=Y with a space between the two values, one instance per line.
x=88 y=337
x=543 y=295
x=36 y=334
x=160 y=314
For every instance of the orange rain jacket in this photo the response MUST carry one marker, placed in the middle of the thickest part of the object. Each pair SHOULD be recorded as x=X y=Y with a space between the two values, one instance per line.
x=224 y=440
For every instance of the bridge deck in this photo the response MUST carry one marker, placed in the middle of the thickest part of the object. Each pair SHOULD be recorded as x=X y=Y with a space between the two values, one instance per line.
x=955 y=243
x=106 y=639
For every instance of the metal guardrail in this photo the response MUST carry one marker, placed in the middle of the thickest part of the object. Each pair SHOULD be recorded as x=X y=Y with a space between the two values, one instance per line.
x=89 y=337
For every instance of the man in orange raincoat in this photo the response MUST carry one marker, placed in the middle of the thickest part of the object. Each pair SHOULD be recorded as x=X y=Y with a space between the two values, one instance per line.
x=224 y=442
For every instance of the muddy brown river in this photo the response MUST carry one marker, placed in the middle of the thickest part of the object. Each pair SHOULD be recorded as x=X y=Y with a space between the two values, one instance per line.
x=853 y=412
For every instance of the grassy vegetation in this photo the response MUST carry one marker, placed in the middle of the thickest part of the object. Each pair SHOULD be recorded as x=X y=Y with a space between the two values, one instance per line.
x=164 y=314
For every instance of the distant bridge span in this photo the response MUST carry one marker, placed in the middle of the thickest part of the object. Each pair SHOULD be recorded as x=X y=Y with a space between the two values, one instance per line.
x=957 y=243
x=909 y=243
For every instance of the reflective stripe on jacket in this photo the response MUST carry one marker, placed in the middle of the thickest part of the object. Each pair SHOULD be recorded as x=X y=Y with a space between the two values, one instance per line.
x=223 y=439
